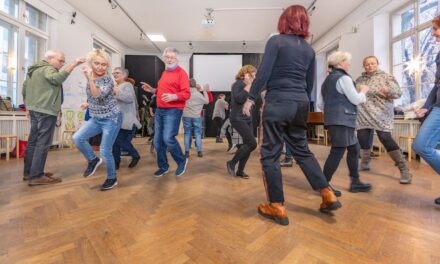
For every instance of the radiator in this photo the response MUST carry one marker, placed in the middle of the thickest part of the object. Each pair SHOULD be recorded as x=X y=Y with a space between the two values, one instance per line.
x=16 y=123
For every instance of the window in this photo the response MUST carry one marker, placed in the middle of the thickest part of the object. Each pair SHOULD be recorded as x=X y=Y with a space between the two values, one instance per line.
x=23 y=41
x=35 y=18
x=34 y=49
x=99 y=45
x=10 y=7
x=414 y=49
x=8 y=60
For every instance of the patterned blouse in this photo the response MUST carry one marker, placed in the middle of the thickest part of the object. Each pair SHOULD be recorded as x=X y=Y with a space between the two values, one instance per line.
x=378 y=112
x=104 y=105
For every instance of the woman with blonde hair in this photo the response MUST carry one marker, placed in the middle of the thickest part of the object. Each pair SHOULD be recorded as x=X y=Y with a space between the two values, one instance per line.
x=377 y=114
x=340 y=110
x=240 y=122
x=105 y=117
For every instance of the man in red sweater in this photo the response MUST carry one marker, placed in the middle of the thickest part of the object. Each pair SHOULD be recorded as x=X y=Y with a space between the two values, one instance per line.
x=171 y=93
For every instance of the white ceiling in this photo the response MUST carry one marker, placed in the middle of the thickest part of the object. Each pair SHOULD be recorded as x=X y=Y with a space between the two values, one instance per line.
x=181 y=21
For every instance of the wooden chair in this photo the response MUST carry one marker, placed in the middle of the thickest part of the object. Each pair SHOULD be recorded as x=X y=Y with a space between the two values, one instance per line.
x=67 y=137
x=8 y=144
x=409 y=139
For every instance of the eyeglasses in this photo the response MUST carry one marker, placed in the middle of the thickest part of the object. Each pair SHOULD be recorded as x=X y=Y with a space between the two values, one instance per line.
x=60 y=60
x=170 y=58
x=115 y=73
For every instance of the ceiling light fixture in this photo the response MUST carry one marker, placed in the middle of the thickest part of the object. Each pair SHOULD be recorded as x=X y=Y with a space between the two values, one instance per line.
x=190 y=45
x=113 y=4
x=156 y=37
x=244 y=44
x=72 y=21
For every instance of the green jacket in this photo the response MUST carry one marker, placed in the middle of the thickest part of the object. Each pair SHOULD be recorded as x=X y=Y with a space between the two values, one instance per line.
x=42 y=88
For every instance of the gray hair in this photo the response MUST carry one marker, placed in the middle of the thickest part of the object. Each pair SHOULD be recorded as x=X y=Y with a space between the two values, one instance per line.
x=337 y=57
x=124 y=71
x=51 y=53
x=170 y=49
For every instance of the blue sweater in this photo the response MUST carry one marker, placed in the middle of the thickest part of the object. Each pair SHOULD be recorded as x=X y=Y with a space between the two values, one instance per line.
x=287 y=69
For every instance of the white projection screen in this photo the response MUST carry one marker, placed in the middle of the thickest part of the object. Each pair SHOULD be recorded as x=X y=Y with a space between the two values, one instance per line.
x=216 y=70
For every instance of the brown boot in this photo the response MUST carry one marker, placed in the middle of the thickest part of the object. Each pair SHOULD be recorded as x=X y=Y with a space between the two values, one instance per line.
x=44 y=180
x=274 y=211
x=28 y=177
x=400 y=162
x=329 y=200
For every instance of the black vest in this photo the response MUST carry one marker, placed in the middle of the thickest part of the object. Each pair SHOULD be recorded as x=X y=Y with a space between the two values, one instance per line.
x=338 y=110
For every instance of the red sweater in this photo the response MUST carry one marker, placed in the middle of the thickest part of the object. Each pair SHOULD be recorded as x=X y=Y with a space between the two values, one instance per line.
x=173 y=82
x=211 y=99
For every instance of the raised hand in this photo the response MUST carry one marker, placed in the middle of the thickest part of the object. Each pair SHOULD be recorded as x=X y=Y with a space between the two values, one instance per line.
x=147 y=88
x=87 y=72
x=247 y=108
x=421 y=112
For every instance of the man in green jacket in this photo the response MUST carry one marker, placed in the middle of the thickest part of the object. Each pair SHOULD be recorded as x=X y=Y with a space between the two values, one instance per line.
x=42 y=95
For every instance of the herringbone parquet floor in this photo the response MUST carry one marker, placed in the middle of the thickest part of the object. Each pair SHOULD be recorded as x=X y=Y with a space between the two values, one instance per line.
x=208 y=217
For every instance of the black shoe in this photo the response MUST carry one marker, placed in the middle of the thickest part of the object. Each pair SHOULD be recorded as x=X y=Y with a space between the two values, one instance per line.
x=134 y=162
x=92 y=166
x=230 y=168
x=109 y=184
x=437 y=201
x=199 y=154
x=242 y=175
x=218 y=140
x=117 y=165
x=186 y=154
x=338 y=193
x=358 y=186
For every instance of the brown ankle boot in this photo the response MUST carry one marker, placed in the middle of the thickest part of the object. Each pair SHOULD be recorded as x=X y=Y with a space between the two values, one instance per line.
x=274 y=211
x=400 y=162
x=329 y=200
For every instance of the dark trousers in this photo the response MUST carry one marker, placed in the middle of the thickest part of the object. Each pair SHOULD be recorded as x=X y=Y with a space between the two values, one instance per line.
x=218 y=122
x=123 y=140
x=245 y=129
x=40 y=139
x=365 y=137
x=335 y=156
x=285 y=120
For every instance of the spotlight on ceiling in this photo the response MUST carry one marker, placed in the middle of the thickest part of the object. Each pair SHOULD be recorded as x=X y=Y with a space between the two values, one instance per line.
x=113 y=4
x=190 y=45
x=244 y=45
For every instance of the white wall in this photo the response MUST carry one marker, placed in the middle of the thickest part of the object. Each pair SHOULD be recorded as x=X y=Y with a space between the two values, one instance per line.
x=75 y=40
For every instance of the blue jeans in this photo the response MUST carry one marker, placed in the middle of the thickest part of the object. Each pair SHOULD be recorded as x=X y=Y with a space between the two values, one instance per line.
x=109 y=127
x=166 y=127
x=123 y=140
x=190 y=123
x=428 y=138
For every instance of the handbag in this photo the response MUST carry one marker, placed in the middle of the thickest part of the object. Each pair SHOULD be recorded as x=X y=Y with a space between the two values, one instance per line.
x=5 y=104
x=23 y=145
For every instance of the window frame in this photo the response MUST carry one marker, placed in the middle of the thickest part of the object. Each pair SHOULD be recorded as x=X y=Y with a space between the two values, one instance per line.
x=24 y=27
x=415 y=31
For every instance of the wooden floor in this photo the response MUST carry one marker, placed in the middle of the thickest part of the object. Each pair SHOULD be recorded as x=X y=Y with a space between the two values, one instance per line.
x=205 y=216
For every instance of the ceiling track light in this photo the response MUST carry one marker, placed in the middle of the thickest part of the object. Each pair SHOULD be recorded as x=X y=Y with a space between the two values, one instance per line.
x=244 y=45
x=190 y=45
x=113 y=4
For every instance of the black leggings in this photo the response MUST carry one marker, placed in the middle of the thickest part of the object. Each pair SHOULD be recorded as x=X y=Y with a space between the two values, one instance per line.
x=245 y=129
x=334 y=158
x=365 y=137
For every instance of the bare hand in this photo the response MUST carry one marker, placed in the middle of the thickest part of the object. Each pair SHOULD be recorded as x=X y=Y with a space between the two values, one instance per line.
x=384 y=89
x=363 y=89
x=247 y=108
x=167 y=97
x=206 y=88
x=87 y=72
x=421 y=112
x=147 y=88
x=84 y=106
x=79 y=60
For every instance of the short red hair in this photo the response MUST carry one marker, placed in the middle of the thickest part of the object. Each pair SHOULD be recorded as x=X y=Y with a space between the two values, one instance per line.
x=295 y=21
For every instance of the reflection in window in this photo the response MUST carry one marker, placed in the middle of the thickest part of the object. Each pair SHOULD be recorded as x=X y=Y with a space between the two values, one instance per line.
x=34 y=49
x=10 y=7
x=35 y=18
x=8 y=60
